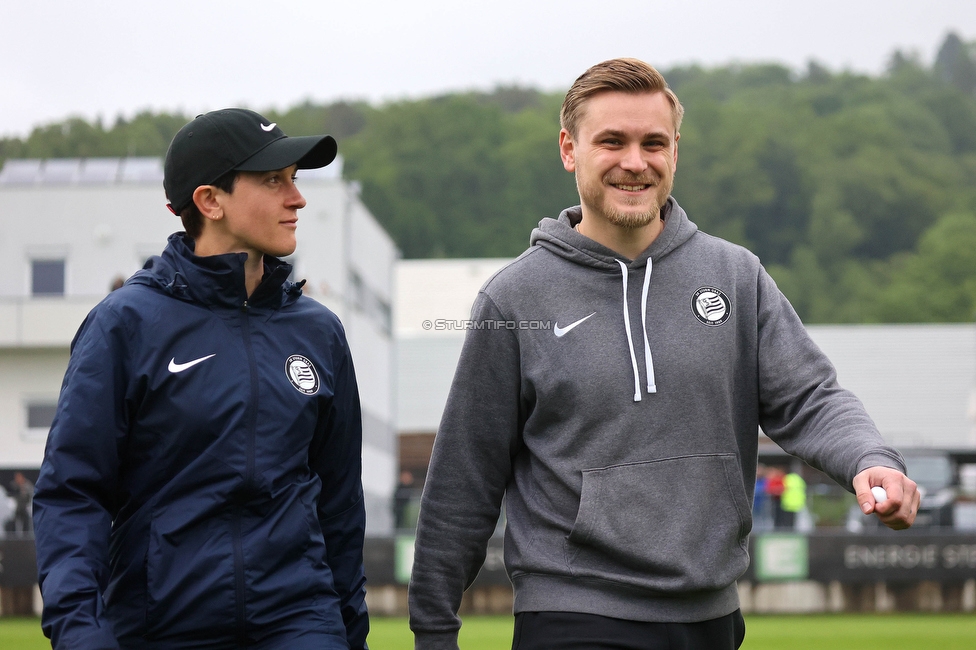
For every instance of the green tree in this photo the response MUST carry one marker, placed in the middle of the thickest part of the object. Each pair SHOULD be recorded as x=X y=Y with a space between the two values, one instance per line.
x=460 y=175
x=956 y=63
x=430 y=169
x=938 y=282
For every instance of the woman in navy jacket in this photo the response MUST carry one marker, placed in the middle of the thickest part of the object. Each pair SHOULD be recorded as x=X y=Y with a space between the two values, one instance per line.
x=201 y=486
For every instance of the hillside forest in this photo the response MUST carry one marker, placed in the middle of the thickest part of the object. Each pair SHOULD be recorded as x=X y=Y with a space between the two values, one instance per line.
x=858 y=192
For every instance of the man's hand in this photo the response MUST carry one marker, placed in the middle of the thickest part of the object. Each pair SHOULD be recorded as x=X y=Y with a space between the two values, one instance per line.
x=899 y=510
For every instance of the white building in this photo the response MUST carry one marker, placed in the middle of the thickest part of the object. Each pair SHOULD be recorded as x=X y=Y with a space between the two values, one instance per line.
x=918 y=382
x=72 y=227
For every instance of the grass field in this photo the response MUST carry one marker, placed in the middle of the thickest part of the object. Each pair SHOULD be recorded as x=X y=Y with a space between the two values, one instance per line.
x=821 y=632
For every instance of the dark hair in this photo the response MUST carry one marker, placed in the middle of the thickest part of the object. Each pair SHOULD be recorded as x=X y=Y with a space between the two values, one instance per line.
x=190 y=215
x=623 y=75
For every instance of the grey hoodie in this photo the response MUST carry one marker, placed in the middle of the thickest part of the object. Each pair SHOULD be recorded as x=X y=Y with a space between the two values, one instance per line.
x=616 y=404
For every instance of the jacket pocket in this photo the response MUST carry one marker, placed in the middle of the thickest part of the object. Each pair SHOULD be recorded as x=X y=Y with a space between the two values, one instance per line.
x=675 y=524
x=189 y=575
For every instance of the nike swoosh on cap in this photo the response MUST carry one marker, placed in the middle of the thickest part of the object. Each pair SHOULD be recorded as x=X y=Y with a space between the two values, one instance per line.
x=562 y=331
x=180 y=367
x=269 y=127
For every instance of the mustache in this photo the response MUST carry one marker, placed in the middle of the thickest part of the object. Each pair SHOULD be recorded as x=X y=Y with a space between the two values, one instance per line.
x=631 y=179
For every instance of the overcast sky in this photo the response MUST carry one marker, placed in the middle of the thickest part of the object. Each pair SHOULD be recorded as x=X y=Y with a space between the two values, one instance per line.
x=106 y=58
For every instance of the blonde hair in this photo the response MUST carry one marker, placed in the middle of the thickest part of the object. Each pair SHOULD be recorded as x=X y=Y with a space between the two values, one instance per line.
x=621 y=75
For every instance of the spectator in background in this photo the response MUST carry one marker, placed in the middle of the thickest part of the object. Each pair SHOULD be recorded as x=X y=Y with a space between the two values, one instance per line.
x=22 y=491
x=405 y=491
x=793 y=500
x=774 y=489
x=6 y=512
x=761 y=516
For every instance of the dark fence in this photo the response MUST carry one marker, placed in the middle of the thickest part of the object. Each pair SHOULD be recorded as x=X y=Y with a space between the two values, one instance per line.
x=820 y=556
x=18 y=563
x=862 y=559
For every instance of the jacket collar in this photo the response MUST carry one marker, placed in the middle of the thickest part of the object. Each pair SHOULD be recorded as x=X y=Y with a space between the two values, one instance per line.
x=217 y=280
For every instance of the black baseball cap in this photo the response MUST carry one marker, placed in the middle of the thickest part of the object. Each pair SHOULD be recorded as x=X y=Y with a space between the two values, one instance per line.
x=234 y=139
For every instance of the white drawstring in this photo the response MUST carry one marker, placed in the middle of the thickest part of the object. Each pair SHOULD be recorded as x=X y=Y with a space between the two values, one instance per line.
x=630 y=339
x=648 y=362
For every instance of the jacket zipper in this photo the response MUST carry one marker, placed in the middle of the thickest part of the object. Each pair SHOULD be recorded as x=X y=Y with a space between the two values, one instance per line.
x=248 y=474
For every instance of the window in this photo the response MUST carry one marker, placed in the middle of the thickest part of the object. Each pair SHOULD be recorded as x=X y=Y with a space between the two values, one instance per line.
x=369 y=302
x=40 y=416
x=47 y=277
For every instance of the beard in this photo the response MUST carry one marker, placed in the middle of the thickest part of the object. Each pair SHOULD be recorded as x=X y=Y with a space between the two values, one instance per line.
x=630 y=220
x=595 y=199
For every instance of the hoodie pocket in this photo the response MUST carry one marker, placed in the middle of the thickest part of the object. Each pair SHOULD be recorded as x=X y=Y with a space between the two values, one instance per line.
x=676 y=524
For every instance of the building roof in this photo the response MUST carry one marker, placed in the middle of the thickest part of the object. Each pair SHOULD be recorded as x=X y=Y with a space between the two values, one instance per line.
x=81 y=171
x=102 y=171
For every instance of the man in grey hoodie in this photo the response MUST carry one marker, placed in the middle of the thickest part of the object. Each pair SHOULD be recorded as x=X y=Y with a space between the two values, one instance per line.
x=624 y=438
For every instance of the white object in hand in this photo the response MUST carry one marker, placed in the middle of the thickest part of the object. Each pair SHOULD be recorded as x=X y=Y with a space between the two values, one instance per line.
x=880 y=496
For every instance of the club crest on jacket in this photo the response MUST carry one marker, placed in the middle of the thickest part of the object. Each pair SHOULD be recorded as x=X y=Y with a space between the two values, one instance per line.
x=301 y=373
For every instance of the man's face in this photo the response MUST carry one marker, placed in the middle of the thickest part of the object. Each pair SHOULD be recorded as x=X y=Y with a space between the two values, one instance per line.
x=624 y=157
x=261 y=214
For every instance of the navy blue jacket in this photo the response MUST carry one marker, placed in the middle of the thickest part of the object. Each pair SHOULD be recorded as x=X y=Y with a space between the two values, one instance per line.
x=202 y=481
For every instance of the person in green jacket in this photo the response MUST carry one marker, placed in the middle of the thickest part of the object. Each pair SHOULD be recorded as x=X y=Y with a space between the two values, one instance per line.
x=794 y=499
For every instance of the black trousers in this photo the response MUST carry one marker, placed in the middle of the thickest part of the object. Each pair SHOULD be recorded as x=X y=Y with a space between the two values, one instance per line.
x=573 y=631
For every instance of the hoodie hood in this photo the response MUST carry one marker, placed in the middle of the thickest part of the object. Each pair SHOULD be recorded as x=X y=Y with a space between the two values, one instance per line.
x=216 y=280
x=560 y=237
